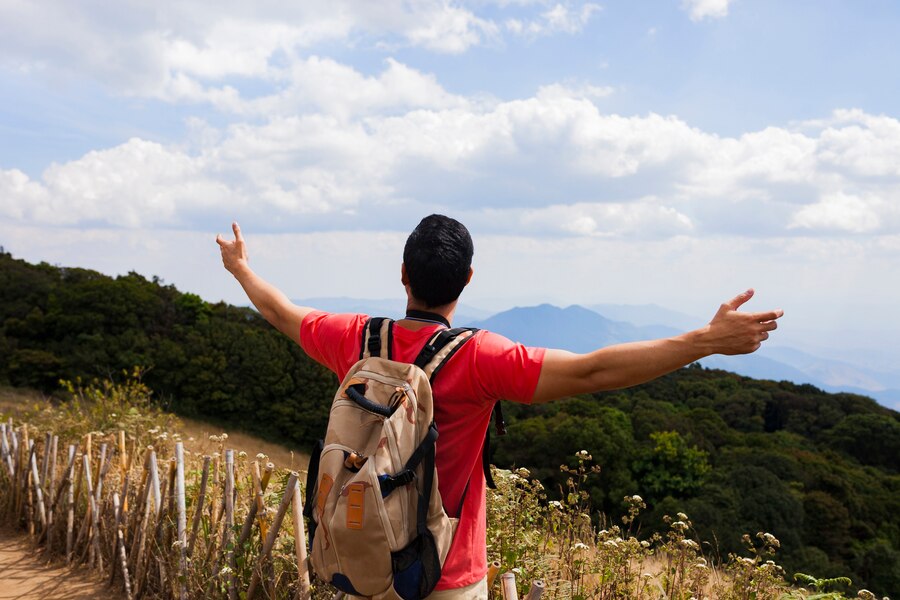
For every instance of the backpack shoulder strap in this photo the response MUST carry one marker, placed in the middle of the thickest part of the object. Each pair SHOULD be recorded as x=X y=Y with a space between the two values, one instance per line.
x=377 y=338
x=440 y=347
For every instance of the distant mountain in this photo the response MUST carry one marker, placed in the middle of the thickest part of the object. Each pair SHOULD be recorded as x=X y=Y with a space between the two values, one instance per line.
x=574 y=328
x=579 y=329
x=643 y=315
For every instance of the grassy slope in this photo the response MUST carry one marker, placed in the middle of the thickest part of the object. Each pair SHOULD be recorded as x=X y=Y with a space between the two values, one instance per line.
x=16 y=402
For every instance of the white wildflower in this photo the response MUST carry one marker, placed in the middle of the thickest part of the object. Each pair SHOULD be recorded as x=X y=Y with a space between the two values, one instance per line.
x=261 y=456
x=242 y=454
x=680 y=526
x=682 y=516
x=523 y=472
x=690 y=544
x=580 y=546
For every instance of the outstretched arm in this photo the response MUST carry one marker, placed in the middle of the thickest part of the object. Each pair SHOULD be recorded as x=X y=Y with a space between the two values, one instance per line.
x=271 y=303
x=623 y=365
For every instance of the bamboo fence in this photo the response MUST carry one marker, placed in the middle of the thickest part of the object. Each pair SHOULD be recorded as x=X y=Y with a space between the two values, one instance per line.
x=159 y=522
x=155 y=522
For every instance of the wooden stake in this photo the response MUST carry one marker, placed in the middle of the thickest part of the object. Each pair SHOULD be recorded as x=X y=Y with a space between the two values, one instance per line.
x=5 y=451
x=26 y=479
x=139 y=514
x=508 y=586
x=123 y=466
x=94 y=534
x=198 y=505
x=120 y=542
x=537 y=588
x=48 y=439
x=303 y=592
x=493 y=569
x=182 y=519
x=247 y=529
x=70 y=505
x=120 y=524
x=39 y=495
x=273 y=534
x=144 y=529
x=229 y=522
x=51 y=490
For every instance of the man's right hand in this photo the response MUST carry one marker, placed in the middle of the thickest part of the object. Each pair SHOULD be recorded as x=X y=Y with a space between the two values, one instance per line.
x=234 y=252
x=623 y=365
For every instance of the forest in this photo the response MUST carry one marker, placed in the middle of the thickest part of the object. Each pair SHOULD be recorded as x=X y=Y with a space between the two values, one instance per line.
x=820 y=471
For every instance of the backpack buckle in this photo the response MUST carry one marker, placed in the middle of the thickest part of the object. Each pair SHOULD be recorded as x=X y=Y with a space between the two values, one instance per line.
x=389 y=483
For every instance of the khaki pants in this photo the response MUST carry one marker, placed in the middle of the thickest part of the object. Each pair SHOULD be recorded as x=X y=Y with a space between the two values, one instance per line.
x=475 y=591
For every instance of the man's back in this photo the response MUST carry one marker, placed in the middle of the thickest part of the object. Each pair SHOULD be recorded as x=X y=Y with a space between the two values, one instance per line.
x=487 y=368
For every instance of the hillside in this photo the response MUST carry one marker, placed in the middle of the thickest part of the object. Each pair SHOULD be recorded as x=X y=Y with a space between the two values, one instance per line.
x=739 y=455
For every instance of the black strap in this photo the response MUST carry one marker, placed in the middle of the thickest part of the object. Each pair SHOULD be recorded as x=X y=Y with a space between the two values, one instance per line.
x=312 y=478
x=427 y=483
x=408 y=473
x=500 y=426
x=372 y=330
x=436 y=344
x=424 y=315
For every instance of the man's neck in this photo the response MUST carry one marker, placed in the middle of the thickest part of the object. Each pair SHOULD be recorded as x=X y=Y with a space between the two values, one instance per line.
x=446 y=311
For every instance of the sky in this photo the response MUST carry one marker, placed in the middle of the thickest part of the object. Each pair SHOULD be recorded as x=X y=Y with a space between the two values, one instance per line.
x=665 y=151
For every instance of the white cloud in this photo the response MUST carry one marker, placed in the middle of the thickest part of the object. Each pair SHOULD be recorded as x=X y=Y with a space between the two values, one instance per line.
x=643 y=218
x=558 y=18
x=706 y=9
x=333 y=142
x=183 y=50
x=866 y=145
x=841 y=212
x=323 y=85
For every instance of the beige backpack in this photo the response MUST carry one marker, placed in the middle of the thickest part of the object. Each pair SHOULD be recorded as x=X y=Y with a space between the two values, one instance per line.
x=377 y=524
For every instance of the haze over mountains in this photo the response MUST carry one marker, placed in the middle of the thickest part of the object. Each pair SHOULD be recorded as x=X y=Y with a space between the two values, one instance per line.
x=581 y=329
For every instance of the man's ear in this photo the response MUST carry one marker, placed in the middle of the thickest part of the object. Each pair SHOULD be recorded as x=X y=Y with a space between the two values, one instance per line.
x=404 y=278
x=469 y=278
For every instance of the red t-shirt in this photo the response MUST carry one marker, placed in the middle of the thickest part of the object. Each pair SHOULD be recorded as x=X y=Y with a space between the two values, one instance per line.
x=487 y=368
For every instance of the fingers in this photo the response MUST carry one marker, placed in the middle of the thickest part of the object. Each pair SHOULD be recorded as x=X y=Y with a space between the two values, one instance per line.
x=220 y=240
x=769 y=315
x=740 y=299
x=237 y=232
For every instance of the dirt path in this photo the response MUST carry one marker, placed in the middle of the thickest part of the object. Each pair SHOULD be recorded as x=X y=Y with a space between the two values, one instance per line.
x=24 y=575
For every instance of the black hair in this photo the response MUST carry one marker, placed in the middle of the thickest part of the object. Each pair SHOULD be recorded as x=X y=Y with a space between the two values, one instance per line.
x=438 y=256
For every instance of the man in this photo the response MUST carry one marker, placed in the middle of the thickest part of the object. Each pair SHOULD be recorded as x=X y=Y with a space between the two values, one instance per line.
x=436 y=267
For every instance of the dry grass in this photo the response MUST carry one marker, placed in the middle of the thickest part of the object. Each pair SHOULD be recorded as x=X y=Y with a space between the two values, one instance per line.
x=17 y=402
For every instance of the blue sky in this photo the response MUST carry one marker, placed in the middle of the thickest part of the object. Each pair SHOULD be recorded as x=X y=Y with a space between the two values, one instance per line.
x=665 y=151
